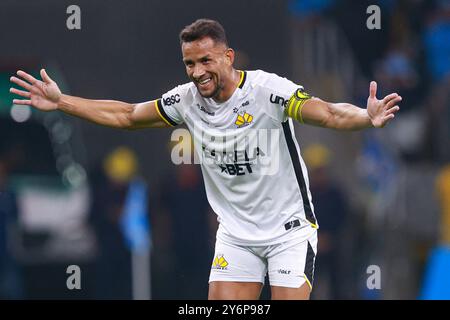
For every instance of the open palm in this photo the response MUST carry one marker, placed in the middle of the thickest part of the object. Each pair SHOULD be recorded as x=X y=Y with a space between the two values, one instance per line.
x=381 y=111
x=43 y=95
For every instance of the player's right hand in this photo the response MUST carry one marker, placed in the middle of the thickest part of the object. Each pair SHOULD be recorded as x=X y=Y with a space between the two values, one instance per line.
x=43 y=95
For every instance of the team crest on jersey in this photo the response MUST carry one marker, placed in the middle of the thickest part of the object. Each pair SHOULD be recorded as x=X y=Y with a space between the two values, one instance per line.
x=243 y=120
x=220 y=262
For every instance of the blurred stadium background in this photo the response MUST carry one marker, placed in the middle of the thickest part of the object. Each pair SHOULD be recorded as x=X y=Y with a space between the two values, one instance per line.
x=382 y=197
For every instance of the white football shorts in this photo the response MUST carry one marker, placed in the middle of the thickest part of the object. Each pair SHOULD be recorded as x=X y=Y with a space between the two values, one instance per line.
x=288 y=264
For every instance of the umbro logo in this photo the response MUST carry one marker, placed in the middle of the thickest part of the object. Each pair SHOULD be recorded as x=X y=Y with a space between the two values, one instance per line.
x=236 y=109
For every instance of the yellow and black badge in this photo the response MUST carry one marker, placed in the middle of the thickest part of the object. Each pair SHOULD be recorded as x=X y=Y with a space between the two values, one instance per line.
x=220 y=262
x=243 y=120
x=296 y=102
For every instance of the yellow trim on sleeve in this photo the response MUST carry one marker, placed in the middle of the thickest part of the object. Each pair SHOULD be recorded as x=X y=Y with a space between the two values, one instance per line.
x=159 y=112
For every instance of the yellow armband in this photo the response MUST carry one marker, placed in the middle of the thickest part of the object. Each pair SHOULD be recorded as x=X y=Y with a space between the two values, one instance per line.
x=295 y=104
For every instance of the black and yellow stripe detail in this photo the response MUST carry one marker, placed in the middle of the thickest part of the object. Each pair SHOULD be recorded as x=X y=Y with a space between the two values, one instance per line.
x=242 y=79
x=299 y=174
x=163 y=114
x=295 y=104
x=309 y=266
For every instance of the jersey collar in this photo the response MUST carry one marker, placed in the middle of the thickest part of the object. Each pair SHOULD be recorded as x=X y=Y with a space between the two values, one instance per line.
x=243 y=78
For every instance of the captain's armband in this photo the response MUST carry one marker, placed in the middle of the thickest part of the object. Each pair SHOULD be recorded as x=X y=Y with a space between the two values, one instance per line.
x=295 y=104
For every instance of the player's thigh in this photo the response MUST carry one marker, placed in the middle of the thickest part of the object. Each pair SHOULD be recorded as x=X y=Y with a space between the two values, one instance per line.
x=236 y=272
x=284 y=293
x=291 y=268
x=227 y=290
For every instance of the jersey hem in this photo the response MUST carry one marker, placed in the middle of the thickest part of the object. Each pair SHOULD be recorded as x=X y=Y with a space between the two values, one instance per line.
x=303 y=233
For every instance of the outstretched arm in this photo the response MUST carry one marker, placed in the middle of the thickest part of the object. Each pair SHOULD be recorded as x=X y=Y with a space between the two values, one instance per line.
x=46 y=96
x=345 y=116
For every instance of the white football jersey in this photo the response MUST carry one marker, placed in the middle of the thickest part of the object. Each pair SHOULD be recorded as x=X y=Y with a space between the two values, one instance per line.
x=255 y=178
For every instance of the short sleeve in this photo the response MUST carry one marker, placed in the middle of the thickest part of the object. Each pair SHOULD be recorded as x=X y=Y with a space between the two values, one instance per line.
x=170 y=106
x=279 y=90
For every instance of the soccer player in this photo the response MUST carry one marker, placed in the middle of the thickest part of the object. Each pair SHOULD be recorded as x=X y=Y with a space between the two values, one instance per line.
x=266 y=216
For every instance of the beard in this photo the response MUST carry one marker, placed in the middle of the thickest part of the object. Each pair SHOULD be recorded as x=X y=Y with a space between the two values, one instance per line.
x=214 y=93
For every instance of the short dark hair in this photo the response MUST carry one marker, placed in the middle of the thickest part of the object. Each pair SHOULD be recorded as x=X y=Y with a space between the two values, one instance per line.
x=202 y=28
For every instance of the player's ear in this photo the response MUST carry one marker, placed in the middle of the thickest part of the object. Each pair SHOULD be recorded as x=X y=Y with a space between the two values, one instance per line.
x=229 y=53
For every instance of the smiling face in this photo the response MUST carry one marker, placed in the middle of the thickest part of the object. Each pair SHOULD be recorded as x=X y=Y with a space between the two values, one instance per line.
x=209 y=65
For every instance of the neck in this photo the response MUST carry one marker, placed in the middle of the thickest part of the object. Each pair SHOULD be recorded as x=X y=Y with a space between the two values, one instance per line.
x=230 y=84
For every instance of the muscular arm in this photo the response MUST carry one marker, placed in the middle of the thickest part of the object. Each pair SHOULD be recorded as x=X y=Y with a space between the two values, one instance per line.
x=340 y=116
x=112 y=113
x=46 y=96
x=344 y=116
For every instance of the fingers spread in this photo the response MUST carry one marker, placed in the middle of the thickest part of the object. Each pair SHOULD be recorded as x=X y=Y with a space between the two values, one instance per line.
x=21 y=93
x=27 y=76
x=21 y=83
x=388 y=117
x=392 y=102
x=392 y=110
x=390 y=97
x=25 y=102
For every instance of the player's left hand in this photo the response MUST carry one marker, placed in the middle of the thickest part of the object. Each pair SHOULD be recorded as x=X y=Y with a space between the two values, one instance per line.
x=381 y=111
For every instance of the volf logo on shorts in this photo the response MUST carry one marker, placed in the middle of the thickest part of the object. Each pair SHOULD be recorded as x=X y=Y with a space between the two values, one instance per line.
x=220 y=262
x=283 y=271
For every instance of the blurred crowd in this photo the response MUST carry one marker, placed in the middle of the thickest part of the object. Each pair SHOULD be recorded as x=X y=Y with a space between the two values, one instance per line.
x=403 y=217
